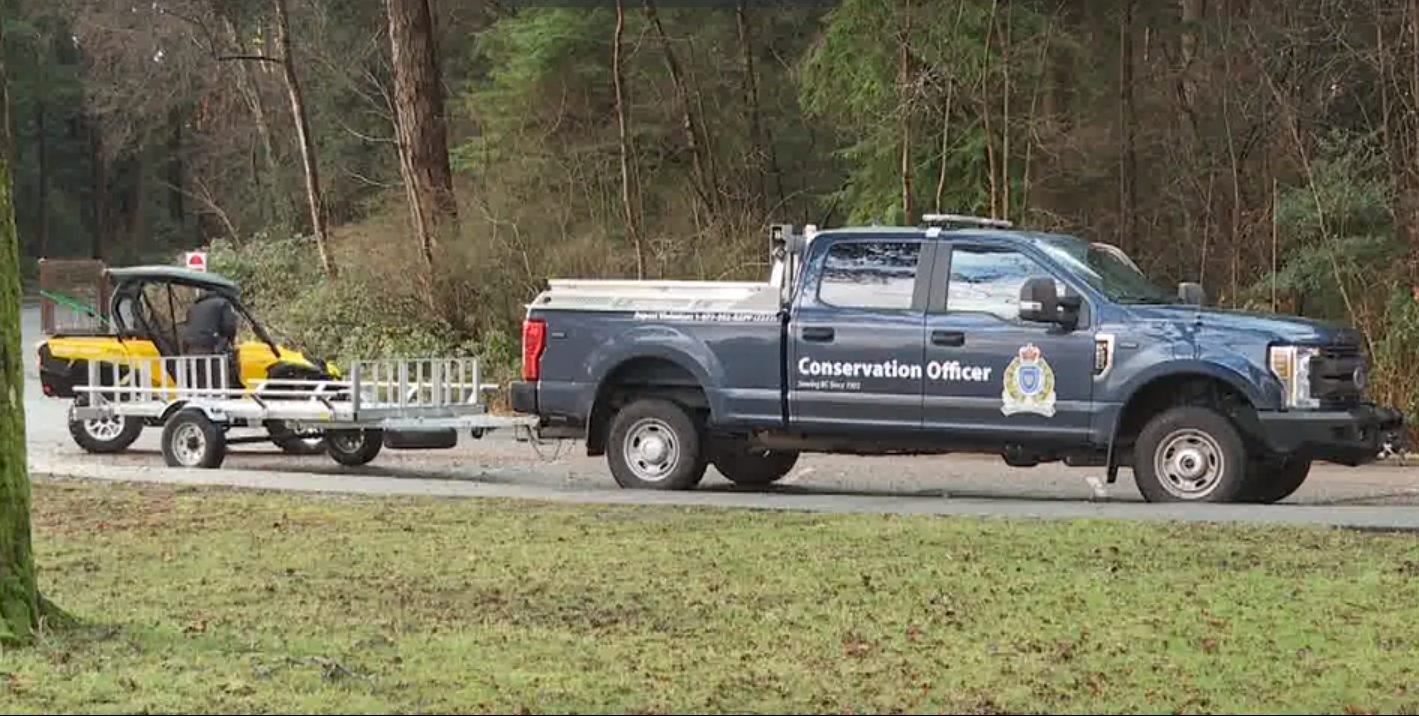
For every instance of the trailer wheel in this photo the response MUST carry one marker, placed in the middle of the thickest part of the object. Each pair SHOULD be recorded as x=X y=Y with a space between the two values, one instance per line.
x=291 y=442
x=744 y=465
x=103 y=435
x=191 y=439
x=1191 y=454
x=353 y=448
x=656 y=445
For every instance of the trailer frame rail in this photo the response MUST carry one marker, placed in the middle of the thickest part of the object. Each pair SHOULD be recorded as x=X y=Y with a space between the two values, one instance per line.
x=197 y=392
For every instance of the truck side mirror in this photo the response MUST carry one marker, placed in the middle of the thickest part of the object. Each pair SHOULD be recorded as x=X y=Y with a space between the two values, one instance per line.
x=1191 y=293
x=1039 y=300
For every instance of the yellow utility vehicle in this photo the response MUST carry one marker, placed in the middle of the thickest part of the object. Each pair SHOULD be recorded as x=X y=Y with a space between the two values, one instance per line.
x=147 y=312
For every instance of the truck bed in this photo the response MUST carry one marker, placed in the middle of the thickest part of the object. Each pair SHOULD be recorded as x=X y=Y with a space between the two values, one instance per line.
x=610 y=332
x=622 y=295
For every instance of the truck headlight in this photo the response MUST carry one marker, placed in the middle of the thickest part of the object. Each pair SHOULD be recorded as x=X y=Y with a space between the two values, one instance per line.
x=1292 y=366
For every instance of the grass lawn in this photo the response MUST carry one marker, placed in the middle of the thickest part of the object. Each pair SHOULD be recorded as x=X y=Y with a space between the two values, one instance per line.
x=218 y=601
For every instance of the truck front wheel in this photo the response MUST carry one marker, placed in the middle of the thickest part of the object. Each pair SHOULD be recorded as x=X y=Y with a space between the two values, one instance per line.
x=1190 y=454
x=655 y=444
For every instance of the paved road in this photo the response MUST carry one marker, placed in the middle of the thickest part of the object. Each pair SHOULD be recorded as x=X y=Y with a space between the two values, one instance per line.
x=1377 y=496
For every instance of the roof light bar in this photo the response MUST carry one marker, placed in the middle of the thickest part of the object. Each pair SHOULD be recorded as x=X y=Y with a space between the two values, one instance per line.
x=965 y=219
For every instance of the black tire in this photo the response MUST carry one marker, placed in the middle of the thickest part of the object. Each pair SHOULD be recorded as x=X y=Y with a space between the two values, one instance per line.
x=291 y=442
x=353 y=448
x=753 y=467
x=104 y=436
x=190 y=439
x=1190 y=454
x=296 y=445
x=1275 y=480
x=655 y=444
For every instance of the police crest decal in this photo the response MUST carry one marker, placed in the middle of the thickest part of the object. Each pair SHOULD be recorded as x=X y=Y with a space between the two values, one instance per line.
x=1029 y=384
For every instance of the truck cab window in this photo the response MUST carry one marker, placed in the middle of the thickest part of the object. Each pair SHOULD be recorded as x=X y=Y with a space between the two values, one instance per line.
x=870 y=274
x=989 y=280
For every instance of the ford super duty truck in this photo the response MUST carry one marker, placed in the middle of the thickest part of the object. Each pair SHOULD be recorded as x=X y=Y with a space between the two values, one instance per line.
x=962 y=335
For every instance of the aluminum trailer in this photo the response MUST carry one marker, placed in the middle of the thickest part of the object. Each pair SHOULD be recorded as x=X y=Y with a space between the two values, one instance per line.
x=418 y=403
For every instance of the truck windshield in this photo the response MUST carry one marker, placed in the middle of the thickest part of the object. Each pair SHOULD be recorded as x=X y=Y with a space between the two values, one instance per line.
x=1108 y=270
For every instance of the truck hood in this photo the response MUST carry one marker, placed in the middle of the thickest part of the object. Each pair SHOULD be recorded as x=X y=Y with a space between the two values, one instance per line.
x=1270 y=326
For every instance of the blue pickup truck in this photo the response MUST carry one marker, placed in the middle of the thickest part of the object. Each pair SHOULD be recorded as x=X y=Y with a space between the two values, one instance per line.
x=960 y=335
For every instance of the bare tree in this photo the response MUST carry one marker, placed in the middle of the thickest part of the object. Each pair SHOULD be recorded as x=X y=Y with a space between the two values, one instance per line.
x=704 y=179
x=308 y=158
x=904 y=92
x=1128 y=128
x=248 y=86
x=621 y=120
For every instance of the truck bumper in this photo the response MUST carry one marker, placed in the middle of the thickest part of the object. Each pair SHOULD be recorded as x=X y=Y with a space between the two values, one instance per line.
x=1347 y=437
x=523 y=397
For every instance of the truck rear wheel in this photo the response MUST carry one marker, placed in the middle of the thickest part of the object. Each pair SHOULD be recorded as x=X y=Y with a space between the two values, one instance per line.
x=1190 y=454
x=745 y=465
x=1275 y=480
x=655 y=444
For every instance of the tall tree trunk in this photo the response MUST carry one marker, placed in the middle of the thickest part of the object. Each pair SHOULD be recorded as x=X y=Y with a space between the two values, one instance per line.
x=904 y=105
x=1407 y=197
x=1192 y=12
x=177 y=209
x=312 y=169
x=42 y=140
x=19 y=596
x=764 y=156
x=99 y=179
x=1005 y=117
x=945 y=145
x=985 y=101
x=621 y=122
x=1128 y=155
x=423 y=136
x=1398 y=125
x=135 y=203
x=704 y=184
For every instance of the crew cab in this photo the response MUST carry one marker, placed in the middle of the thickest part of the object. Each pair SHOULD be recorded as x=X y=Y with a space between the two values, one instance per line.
x=961 y=335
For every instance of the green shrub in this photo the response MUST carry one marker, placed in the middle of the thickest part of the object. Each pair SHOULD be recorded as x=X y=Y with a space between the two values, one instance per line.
x=372 y=310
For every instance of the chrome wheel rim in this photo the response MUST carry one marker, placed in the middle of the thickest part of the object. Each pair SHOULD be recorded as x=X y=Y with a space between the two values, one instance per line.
x=104 y=428
x=1189 y=464
x=651 y=449
x=189 y=443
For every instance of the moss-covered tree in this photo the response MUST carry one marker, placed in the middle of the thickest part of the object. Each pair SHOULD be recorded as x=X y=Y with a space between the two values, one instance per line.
x=19 y=599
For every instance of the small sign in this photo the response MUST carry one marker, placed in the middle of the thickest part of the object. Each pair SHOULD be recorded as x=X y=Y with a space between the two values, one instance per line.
x=195 y=260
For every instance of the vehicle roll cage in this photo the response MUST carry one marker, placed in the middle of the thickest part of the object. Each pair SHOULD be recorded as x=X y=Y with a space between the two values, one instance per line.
x=130 y=284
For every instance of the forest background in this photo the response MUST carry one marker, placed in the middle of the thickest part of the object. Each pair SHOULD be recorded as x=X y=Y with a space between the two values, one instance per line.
x=401 y=176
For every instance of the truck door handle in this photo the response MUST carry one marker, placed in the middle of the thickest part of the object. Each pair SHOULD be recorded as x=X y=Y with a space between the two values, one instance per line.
x=819 y=334
x=948 y=338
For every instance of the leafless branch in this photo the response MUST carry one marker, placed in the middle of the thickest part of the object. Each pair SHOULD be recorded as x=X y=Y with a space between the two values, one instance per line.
x=371 y=182
x=207 y=200
x=253 y=58
x=365 y=137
